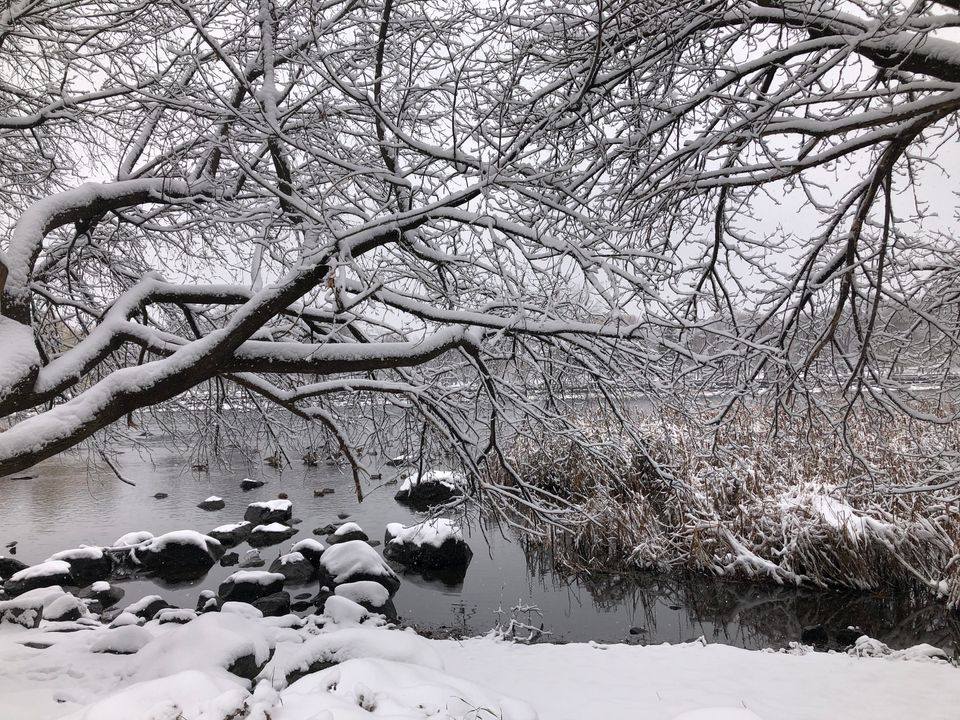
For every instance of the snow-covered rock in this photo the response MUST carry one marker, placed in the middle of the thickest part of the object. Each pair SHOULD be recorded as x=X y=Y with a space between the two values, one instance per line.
x=434 y=487
x=87 y=564
x=65 y=608
x=231 y=534
x=355 y=560
x=248 y=484
x=212 y=503
x=45 y=574
x=271 y=534
x=311 y=549
x=102 y=594
x=147 y=606
x=249 y=585
x=184 y=554
x=295 y=568
x=430 y=545
x=346 y=532
x=372 y=596
x=269 y=511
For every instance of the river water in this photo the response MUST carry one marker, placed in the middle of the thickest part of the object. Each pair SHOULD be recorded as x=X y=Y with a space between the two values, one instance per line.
x=67 y=502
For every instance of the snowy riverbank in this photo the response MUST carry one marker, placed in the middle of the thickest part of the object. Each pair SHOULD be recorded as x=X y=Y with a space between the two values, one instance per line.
x=344 y=664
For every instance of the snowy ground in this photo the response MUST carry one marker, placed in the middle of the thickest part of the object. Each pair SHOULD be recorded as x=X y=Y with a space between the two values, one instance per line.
x=344 y=665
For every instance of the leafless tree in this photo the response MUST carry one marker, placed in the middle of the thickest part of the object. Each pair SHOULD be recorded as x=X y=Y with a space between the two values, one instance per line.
x=473 y=210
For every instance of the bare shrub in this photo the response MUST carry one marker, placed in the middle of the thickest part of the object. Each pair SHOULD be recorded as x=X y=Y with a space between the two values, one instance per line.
x=800 y=507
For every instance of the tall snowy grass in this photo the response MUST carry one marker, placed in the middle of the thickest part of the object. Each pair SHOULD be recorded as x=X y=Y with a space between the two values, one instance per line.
x=800 y=507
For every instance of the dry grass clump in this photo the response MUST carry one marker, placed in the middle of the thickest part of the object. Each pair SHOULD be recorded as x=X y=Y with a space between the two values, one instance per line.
x=799 y=507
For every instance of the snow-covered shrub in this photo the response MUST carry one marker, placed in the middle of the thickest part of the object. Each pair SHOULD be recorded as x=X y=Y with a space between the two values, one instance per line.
x=801 y=507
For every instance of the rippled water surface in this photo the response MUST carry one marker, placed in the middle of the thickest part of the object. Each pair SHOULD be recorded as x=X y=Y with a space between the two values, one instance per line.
x=67 y=503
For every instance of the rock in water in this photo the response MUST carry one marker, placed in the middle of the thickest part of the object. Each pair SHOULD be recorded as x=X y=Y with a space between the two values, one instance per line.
x=180 y=555
x=429 y=545
x=232 y=534
x=249 y=585
x=269 y=511
x=212 y=503
x=271 y=534
x=346 y=532
x=355 y=560
x=434 y=487
x=295 y=568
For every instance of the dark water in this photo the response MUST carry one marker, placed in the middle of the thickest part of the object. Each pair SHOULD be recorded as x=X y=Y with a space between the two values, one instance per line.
x=69 y=503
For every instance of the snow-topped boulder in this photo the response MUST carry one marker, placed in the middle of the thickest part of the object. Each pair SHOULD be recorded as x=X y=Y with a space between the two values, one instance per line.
x=232 y=534
x=434 y=487
x=248 y=484
x=208 y=601
x=430 y=545
x=311 y=549
x=101 y=595
x=295 y=568
x=212 y=503
x=372 y=596
x=65 y=608
x=249 y=585
x=355 y=560
x=45 y=574
x=27 y=609
x=184 y=554
x=147 y=607
x=346 y=532
x=269 y=511
x=87 y=564
x=263 y=535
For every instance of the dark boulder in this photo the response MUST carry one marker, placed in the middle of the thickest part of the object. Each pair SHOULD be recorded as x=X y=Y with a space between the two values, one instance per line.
x=434 y=487
x=212 y=503
x=345 y=533
x=10 y=566
x=295 y=568
x=271 y=534
x=325 y=530
x=249 y=585
x=275 y=605
x=269 y=511
x=248 y=484
x=431 y=545
x=229 y=559
x=207 y=602
x=232 y=534
x=46 y=574
x=147 y=607
x=311 y=549
x=160 y=496
x=103 y=594
x=181 y=555
x=252 y=559
x=87 y=564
